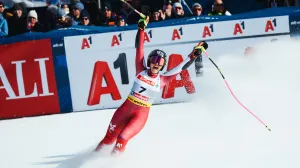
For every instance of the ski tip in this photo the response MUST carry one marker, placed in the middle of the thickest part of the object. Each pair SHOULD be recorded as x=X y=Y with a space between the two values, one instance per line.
x=268 y=128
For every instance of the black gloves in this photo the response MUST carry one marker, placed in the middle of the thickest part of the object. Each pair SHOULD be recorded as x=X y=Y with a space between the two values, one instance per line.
x=143 y=22
x=199 y=49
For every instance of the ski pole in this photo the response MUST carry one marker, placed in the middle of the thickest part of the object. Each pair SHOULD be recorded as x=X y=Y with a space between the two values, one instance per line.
x=232 y=91
x=187 y=6
x=142 y=15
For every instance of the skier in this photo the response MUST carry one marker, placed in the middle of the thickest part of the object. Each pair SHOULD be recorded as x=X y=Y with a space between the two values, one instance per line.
x=129 y=119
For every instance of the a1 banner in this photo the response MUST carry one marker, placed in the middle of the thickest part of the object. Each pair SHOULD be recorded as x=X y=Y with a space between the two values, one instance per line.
x=103 y=78
x=27 y=80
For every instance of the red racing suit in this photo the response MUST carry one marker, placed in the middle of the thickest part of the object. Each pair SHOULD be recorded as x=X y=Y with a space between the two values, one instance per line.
x=129 y=119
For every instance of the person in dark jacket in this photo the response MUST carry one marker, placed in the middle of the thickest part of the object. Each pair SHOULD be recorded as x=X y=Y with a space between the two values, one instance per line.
x=108 y=18
x=84 y=18
x=51 y=17
x=33 y=24
x=121 y=21
x=63 y=20
x=17 y=22
x=75 y=14
x=156 y=15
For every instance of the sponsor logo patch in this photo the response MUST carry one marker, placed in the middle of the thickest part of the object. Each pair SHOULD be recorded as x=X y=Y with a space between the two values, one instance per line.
x=140 y=77
x=139 y=96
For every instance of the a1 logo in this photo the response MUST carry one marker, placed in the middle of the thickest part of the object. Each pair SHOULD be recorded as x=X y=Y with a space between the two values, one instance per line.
x=238 y=28
x=270 y=25
x=148 y=36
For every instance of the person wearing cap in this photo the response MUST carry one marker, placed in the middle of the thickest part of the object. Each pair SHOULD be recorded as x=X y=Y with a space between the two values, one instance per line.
x=168 y=5
x=51 y=17
x=167 y=10
x=177 y=11
x=156 y=16
x=108 y=17
x=32 y=22
x=219 y=9
x=75 y=14
x=121 y=21
x=63 y=20
x=84 y=18
x=1 y=7
x=197 y=9
x=17 y=22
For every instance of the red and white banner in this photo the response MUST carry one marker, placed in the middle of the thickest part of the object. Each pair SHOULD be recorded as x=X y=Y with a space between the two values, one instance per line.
x=102 y=66
x=27 y=80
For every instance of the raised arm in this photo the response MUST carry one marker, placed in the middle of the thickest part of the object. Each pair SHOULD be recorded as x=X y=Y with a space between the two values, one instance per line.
x=139 y=45
x=171 y=74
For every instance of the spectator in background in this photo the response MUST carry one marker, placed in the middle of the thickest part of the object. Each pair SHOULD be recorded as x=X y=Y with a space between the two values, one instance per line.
x=168 y=5
x=121 y=21
x=75 y=14
x=84 y=18
x=1 y=7
x=17 y=22
x=92 y=7
x=167 y=10
x=219 y=9
x=65 y=8
x=51 y=16
x=33 y=24
x=177 y=11
x=162 y=15
x=3 y=26
x=63 y=20
x=155 y=17
x=197 y=9
x=108 y=17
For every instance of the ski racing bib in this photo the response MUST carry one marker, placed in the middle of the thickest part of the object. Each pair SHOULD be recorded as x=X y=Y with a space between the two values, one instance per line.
x=144 y=89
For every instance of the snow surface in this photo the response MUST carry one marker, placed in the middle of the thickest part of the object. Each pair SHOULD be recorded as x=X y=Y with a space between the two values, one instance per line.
x=213 y=131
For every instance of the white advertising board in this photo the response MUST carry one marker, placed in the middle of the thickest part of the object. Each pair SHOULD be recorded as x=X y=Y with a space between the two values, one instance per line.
x=117 y=49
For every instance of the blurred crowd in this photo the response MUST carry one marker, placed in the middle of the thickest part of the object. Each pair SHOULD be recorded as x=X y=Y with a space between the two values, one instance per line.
x=20 y=19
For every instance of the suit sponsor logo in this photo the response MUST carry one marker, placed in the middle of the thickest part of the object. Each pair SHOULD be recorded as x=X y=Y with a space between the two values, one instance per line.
x=149 y=82
x=139 y=96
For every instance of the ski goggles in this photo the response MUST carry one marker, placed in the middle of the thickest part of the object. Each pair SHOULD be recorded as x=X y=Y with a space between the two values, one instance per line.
x=157 y=60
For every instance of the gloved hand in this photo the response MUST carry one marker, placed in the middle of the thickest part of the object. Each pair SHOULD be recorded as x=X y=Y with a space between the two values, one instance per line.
x=143 y=22
x=199 y=49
